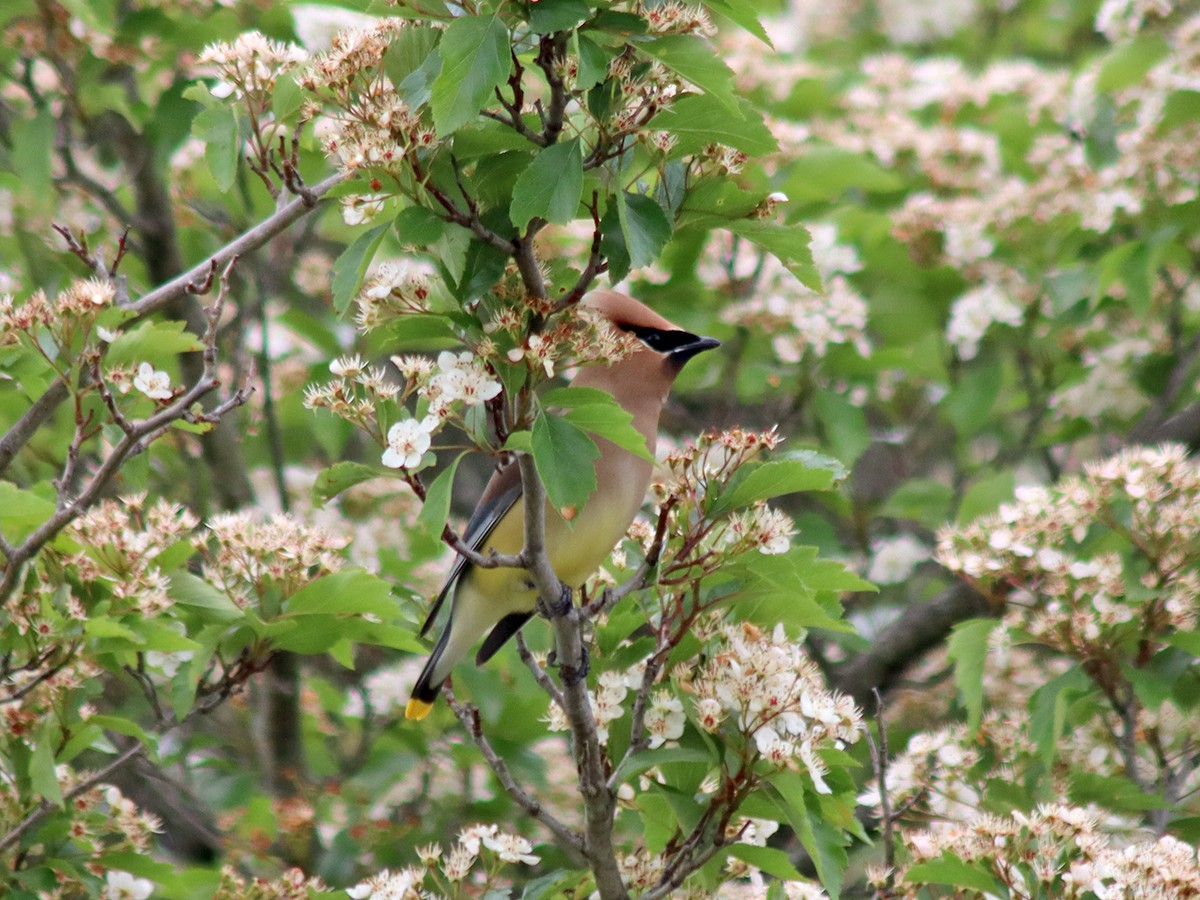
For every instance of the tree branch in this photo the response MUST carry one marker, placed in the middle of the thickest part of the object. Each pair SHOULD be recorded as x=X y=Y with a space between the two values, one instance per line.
x=569 y=839
x=44 y=406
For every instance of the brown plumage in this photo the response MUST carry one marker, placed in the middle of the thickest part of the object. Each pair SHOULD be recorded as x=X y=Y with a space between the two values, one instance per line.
x=497 y=602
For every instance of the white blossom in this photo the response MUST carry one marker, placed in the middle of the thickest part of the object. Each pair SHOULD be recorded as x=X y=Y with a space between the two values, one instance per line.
x=154 y=383
x=407 y=442
x=511 y=848
x=120 y=885
x=664 y=719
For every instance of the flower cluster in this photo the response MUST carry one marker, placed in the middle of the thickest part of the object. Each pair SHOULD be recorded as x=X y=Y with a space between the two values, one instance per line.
x=975 y=312
x=371 y=129
x=673 y=17
x=120 y=543
x=103 y=821
x=799 y=319
x=1054 y=851
x=251 y=66
x=763 y=688
x=1080 y=601
x=247 y=559
x=291 y=885
x=392 y=290
x=78 y=304
x=711 y=461
x=443 y=870
x=443 y=388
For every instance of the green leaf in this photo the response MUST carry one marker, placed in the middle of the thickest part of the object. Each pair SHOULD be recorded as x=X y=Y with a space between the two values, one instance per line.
x=844 y=424
x=565 y=459
x=1048 y=709
x=1182 y=108
x=952 y=871
x=967 y=647
x=287 y=97
x=826 y=173
x=21 y=511
x=1187 y=641
x=190 y=590
x=986 y=494
x=1128 y=62
x=596 y=411
x=743 y=13
x=695 y=61
x=475 y=61
x=351 y=266
x=42 y=777
x=658 y=821
x=921 y=500
x=969 y=404
x=819 y=839
x=775 y=589
x=790 y=473
x=436 y=509
x=550 y=187
x=698 y=120
x=103 y=628
x=157 y=636
x=418 y=226
x=644 y=226
x=633 y=766
x=770 y=860
x=32 y=146
x=217 y=128
x=354 y=591
x=138 y=864
x=593 y=63
x=1114 y=792
x=333 y=480
x=124 y=726
x=417 y=87
x=152 y=342
x=549 y=16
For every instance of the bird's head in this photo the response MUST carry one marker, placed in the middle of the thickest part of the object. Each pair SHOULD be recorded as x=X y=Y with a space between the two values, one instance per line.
x=663 y=341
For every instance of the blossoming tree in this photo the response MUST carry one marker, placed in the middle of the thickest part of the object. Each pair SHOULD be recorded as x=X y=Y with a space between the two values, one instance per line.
x=279 y=283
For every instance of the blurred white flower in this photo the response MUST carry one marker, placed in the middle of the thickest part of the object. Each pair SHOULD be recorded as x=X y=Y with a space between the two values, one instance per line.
x=893 y=559
x=124 y=886
x=511 y=848
x=664 y=719
x=359 y=209
x=154 y=383
x=974 y=312
x=407 y=442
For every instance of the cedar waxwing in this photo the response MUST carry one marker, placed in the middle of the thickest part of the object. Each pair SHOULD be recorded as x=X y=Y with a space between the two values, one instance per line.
x=498 y=601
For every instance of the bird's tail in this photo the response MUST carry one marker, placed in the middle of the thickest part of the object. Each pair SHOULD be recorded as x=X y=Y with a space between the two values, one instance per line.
x=428 y=686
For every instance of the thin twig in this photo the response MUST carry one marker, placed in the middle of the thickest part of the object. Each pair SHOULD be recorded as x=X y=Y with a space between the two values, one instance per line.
x=610 y=597
x=570 y=840
x=879 y=756
x=540 y=675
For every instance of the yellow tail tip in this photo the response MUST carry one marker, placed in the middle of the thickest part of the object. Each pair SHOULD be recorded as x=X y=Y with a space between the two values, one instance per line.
x=417 y=709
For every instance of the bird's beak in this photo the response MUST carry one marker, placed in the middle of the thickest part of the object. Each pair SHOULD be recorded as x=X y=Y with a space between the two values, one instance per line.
x=684 y=352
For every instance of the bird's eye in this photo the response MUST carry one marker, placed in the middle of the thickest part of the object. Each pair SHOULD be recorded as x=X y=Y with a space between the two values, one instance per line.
x=662 y=340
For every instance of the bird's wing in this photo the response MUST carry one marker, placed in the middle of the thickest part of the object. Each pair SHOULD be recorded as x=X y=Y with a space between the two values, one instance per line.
x=503 y=490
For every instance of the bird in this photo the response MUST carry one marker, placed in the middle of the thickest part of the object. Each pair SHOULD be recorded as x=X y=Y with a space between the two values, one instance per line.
x=499 y=601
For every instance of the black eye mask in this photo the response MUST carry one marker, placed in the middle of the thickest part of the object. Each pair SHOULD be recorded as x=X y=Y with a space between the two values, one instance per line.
x=678 y=344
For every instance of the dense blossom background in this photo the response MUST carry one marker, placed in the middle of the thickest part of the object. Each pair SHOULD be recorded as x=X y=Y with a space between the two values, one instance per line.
x=925 y=621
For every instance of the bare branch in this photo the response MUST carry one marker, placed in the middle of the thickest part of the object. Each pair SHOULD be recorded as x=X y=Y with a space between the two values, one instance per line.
x=540 y=675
